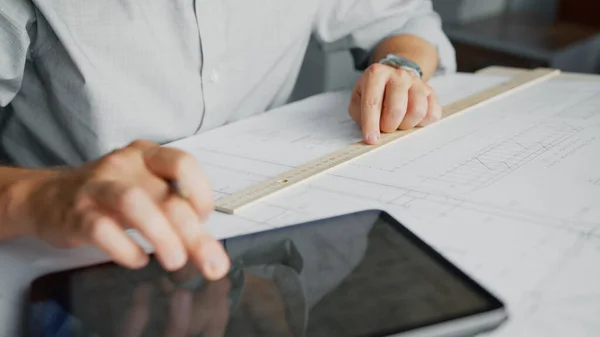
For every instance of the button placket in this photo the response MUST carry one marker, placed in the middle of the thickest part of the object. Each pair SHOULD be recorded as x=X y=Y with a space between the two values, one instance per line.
x=211 y=19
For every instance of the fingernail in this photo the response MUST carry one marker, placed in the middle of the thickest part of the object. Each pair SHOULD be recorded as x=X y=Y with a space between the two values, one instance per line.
x=177 y=259
x=372 y=138
x=217 y=265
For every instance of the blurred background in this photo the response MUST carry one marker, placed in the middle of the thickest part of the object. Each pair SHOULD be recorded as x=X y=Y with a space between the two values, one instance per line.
x=561 y=34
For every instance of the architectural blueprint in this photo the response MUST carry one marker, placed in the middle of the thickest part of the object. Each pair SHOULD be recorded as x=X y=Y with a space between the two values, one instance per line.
x=509 y=191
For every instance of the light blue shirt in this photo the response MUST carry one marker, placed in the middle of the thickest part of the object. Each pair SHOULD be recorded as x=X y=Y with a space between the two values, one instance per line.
x=81 y=78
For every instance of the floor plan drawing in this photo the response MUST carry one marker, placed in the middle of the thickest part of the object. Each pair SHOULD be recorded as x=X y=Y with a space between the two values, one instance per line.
x=508 y=191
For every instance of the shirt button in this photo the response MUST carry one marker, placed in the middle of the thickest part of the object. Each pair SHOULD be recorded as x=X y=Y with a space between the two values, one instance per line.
x=214 y=76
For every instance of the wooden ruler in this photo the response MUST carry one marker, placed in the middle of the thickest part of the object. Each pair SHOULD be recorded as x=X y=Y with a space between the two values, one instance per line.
x=232 y=203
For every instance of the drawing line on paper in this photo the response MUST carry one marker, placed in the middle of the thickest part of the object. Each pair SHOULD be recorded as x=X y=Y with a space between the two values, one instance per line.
x=542 y=299
x=583 y=110
x=236 y=170
x=409 y=195
x=237 y=156
x=500 y=159
x=449 y=205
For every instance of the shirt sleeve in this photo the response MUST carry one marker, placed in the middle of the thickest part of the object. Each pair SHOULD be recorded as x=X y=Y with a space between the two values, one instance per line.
x=360 y=25
x=16 y=20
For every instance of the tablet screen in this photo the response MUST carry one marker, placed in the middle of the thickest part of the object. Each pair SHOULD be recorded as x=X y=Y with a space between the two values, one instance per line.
x=361 y=274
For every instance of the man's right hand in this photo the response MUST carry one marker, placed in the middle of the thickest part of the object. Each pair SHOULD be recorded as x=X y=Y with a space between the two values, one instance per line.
x=95 y=203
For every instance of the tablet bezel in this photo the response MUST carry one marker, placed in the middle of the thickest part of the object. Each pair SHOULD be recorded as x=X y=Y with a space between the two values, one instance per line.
x=477 y=321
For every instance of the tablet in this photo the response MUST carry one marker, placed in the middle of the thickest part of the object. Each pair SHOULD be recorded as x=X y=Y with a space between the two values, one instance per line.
x=356 y=275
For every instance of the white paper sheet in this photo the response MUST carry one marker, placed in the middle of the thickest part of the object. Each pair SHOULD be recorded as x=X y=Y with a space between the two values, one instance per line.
x=509 y=191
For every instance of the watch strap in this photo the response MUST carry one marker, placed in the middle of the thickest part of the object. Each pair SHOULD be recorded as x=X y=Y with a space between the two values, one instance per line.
x=400 y=62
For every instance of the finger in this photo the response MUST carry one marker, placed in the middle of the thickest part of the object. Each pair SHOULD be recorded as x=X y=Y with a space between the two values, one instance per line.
x=355 y=102
x=372 y=91
x=136 y=320
x=103 y=232
x=206 y=252
x=130 y=165
x=136 y=208
x=179 y=166
x=395 y=102
x=434 y=110
x=143 y=145
x=417 y=106
x=180 y=310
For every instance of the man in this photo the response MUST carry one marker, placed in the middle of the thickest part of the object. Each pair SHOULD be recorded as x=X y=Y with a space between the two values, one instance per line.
x=79 y=79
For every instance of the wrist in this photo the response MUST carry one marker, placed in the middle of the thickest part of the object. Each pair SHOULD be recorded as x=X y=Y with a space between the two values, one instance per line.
x=18 y=202
x=412 y=48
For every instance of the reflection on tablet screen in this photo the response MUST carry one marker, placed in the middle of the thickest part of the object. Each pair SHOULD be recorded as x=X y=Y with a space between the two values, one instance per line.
x=355 y=275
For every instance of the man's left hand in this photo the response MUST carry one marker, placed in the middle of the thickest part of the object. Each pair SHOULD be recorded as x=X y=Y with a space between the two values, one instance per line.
x=386 y=99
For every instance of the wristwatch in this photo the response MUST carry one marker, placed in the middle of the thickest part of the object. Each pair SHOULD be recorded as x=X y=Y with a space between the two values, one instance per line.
x=400 y=62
